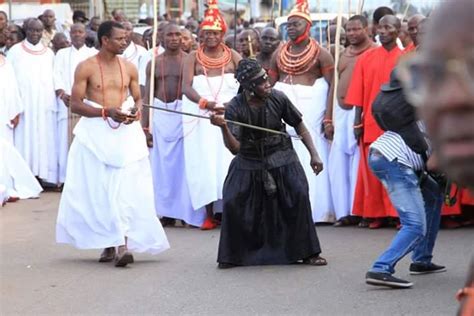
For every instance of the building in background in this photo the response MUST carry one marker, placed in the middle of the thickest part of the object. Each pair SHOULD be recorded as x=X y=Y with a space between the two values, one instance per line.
x=259 y=10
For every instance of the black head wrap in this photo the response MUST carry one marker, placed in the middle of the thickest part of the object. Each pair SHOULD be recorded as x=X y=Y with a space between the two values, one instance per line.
x=249 y=73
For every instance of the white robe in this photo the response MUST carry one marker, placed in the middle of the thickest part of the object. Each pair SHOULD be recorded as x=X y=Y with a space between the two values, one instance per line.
x=35 y=135
x=343 y=162
x=10 y=102
x=65 y=63
x=16 y=179
x=206 y=157
x=108 y=193
x=143 y=63
x=311 y=102
x=133 y=53
x=172 y=198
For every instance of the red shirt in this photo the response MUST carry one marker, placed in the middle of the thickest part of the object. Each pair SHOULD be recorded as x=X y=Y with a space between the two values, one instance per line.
x=371 y=71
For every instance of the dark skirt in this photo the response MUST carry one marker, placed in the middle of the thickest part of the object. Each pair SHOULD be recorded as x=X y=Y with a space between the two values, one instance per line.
x=258 y=229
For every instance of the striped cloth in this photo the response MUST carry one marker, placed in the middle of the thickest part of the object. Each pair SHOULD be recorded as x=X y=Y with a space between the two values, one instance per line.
x=392 y=146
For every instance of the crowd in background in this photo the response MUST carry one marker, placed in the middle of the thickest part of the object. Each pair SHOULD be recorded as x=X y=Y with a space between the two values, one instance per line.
x=254 y=42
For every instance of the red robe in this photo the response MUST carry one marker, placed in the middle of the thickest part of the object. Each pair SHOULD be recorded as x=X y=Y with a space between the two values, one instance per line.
x=372 y=69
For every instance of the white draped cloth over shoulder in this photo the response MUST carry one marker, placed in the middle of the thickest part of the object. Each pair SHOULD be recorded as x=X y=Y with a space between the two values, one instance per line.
x=343 y=162
x=311 y=102
x=35 y=135
x=134 y=53
x=10 y=102
x=108 y=193
x=65 y=64
x=206 y=157
x=172 y=198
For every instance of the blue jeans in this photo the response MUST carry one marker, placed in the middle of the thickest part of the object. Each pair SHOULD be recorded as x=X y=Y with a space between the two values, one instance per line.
x=418 y=206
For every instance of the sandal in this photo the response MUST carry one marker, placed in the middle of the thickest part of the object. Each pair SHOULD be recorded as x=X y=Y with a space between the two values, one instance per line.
x=124 y=259
x=345 y=221
x=315 y=261
x=107 y=255
x=364 y=223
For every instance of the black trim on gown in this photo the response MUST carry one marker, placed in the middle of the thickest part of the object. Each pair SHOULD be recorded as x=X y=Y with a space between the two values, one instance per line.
x=266 y=222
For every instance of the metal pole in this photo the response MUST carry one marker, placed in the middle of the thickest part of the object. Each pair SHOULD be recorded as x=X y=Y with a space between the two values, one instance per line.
x=228 y=121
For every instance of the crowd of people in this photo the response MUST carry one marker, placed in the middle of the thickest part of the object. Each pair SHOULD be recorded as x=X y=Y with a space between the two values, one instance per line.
x=333 y=163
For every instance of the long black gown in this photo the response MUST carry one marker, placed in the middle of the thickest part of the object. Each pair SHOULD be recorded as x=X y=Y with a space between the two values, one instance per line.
x=261 y=226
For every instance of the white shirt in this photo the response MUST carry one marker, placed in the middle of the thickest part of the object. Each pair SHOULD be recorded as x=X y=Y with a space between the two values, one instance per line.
x=392 y=146
x=65 y=64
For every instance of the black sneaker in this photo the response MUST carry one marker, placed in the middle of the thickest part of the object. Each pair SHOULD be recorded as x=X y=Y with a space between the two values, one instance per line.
x=423 y=268
x=385 y=279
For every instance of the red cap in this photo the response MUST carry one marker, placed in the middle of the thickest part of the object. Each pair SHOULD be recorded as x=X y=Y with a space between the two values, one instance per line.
x=213 y=19
x=301 y=10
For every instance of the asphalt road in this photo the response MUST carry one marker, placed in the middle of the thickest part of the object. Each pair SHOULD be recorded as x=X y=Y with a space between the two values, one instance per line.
x=37 y=276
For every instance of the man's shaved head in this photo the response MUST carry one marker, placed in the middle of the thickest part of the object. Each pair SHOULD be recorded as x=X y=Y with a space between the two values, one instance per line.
x=412 y=27
x=416 y=18
x=391 y=19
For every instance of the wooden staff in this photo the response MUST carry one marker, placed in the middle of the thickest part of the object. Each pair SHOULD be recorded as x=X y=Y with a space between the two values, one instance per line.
x=336 y=54
x=406 y=10
x=271 y=12
x=329 y=38
x=235 y=24
x=360 y=6
x=153 y=62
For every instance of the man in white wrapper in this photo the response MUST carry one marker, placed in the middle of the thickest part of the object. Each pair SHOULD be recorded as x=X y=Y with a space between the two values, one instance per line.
x=172 y=198
x=107 y=201
x=16 y=179
x=208 y=83
x=345 y=155
x=35 y=135
x=303 y=70
x=65 y=63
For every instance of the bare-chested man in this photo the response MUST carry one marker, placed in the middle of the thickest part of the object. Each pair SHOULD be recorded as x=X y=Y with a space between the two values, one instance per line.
x=208 y=83
x=303 y=70
x=107 y=200
x=344 y=156
x=172 y=197
x=269 y=42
